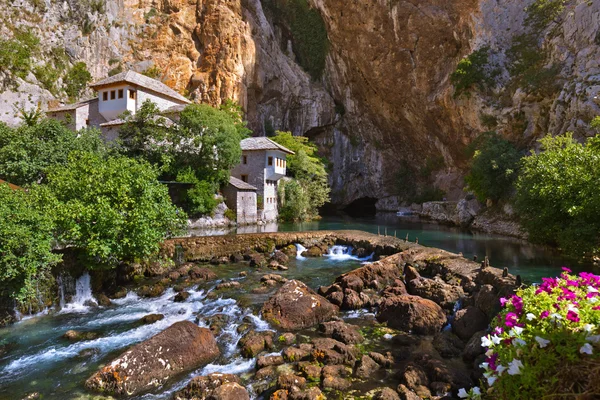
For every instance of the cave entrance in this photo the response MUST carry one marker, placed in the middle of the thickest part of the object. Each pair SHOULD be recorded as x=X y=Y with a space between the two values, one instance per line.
x=363 y=207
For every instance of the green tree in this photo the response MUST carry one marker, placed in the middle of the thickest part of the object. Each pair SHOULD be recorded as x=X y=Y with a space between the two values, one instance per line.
x=76 y=80
x=200 y=199
x=235 y=112
x=494 y=167
x=301 y=198
x=25 y=242
x=473 y=71
x=112 y=208
x=26 y=152
x=558 y=194
x=16 y=55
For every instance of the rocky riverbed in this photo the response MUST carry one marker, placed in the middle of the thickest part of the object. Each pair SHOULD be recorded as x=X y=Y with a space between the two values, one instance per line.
x=251 y=316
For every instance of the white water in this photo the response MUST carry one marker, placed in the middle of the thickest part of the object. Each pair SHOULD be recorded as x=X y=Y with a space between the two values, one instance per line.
x=83 y=296
x=299 y=250
x=344 y=253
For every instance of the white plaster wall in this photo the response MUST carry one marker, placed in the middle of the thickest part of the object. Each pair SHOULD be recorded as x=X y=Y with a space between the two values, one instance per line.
x=112 y=109
x=162 y=102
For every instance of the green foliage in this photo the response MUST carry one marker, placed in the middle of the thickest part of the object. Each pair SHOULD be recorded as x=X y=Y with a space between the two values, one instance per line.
x=112 y=208
x=153 y=72
x=47 y=75
x=301 y=198
x=595 y=124
x=308 y=32
x=494 y=167
x=541 y=12
x=558 y=194
x=230 y=214
x=116 y=70
x=28 y=151
x=489 y=121
x=545 y=342
x=76 y=80
x=200 y=199
x=16 y=54
x=527 y=66
x=472 y=72
x=235 y=112
x=26 y=242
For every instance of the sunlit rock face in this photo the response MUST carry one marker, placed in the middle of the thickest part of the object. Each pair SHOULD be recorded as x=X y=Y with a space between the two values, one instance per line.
x=382 y=111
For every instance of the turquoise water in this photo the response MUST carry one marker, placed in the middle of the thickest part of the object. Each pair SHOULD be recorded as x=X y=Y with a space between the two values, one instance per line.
x=520 y=257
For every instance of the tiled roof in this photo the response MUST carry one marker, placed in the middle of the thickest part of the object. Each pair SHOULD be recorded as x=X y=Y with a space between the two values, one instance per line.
x=70 y=107
x=138 y=79
x=238 y=183
x=10 y=185
x=262 y=143
x=164 y=121
x=174 y=109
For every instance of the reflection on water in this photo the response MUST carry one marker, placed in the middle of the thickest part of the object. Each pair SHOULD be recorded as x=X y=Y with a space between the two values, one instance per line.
x=529 y=261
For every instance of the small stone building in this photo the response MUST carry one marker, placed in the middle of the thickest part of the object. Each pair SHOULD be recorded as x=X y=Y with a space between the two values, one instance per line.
x=262 y=165
x=241 y=198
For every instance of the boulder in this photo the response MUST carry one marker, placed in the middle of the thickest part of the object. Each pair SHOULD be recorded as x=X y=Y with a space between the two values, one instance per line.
x=228 y=285
x=181 y=297
x=437 y=290
x=257 y=260
x=339 y=330
x=365 y=367
x=412 y=313
x=103 y=300
x=336 y=298
x=214 y=387
x=76 y=336
x=289 y=381
x=181 y=347
x=488 y=301
x=352 y=281
x=330 y=351
x=352 y=300
x=314 y=251
x=415 y=378
x=202 y=274
x=386 y=394
x=300 y=353
x=310 y=370
x=280 y=257
x=151 y=318
x=381 y=271
x=267 y=361
x=467 y=321
x=406 y=394
x=295 y=306
x=151 y=290
x=410 y=273
x=254 y=342
x=385 y=361
x=448 y=344
x=473 y=348
x=313 y=393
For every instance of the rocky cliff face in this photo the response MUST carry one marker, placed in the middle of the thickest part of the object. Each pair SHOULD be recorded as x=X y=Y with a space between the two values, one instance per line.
x=383 y=109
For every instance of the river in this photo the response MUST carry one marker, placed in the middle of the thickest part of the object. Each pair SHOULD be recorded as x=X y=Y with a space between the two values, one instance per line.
x=34 y=357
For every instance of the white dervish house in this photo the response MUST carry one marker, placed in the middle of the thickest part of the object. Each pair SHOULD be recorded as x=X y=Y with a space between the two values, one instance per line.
x=252 y=189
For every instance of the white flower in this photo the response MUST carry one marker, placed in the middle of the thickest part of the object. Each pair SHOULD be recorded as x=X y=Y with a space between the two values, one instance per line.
x=491 y=380
x=592 y=289
x=542 y=342
x=500 y=369
x=514 y=367
x=520 y=342
x=593 y=338
x=462 y=393
x=516 y=331
x=588 y=327
x=530 y=317
x=484 y=365
x=593 y=300
x=572 y=307
x=496 y=339
x=555 y=316
x=489 y=353
x=485 y=341
x=476 y=391
x=586 y=349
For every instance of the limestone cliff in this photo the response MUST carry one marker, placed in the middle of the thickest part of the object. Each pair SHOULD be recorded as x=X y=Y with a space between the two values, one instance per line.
x=382 y=108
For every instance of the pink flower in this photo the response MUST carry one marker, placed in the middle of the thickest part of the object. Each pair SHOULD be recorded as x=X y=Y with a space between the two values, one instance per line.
x=503 y=301
x=596 y=308
x=566 y=269
x=544 y=314
x=518 y=303
x=498 y=330
x=572 y=316
x=492 y=361
x=510 y=320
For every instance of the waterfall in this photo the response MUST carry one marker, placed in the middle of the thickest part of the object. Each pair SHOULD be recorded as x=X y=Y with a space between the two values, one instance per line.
x=299 y=250
x=83 y=297
x=344 y=253
x=61 y=290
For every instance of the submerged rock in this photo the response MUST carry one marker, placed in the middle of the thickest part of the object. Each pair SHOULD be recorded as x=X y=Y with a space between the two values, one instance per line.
x=76 y=336
x=182 y=347
x=103 y=300
x=295 y=306
x=181 y=297
x=202 y=274
x=214 y=386
x=412 y=313
x=152 y=290
x=151 y=318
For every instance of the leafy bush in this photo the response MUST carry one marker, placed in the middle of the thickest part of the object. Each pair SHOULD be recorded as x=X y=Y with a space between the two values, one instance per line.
x=308 y=32
x=558 y=195
x=541 y=12
x=230 y=214
x=473 y=71
x=16 y=54
x=28 y=151
x=493 y=167
x=26 y=243
x=112 y=208
x=153 y=72
x=200 y=199
x=546 y=341
x=301 y=198
x=76 y=80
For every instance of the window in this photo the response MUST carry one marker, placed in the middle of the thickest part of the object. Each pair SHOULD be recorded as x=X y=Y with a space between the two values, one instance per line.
x=112 y=94
x=270 y=161
x=120 y=93
x=87 y=122
x=131 y=94
x=245 y=178
x=105 y=96
x=244 y=159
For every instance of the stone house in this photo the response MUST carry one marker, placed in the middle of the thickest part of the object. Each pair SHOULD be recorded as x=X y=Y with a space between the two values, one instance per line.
x=117 y=94
x=241 y=198
x=262 y=165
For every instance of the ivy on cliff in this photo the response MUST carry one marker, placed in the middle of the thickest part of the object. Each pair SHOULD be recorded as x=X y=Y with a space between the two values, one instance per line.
x=307 y=30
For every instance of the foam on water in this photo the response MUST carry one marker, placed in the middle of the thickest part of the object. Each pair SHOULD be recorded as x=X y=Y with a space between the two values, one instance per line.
x=344 y=253
x=83 y=296
x=299 y=250
x=237 y=366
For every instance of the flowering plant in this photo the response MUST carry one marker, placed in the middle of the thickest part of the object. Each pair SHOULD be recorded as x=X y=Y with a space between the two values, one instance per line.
x=546 y=340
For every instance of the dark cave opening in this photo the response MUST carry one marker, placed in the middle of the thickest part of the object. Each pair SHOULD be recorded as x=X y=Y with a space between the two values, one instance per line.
x=363 y=207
